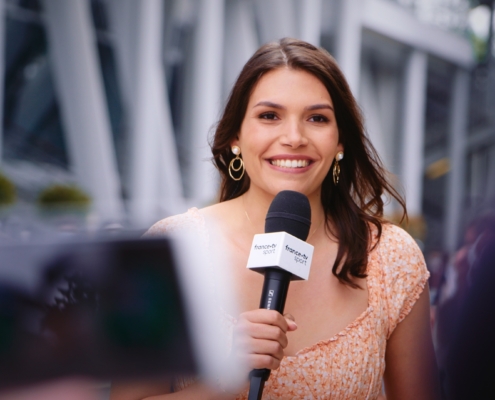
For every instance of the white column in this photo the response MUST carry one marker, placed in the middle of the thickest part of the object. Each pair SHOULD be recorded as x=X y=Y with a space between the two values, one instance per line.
x=371 y=110
x=276 y=19
x=348 y=41
x=79 y=84
x=456 y=187
x=203 y=100
x=240 y=39
x=122 y=14
x=2 y=71
x=310 y=21
x=153 y=174
x=413 y=131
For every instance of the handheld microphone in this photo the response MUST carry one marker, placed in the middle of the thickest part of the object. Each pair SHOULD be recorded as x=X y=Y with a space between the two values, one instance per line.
x=282 y=254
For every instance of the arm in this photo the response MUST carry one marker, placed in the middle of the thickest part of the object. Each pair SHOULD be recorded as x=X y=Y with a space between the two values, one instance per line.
x=411 y=371
x=259 y=340
x=138 y=389
x=148 y=390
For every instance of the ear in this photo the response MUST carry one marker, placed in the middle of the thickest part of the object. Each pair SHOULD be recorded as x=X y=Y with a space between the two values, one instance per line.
x=340 y=147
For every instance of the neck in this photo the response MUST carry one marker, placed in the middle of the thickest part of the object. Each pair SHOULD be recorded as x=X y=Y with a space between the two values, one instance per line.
x=256 y=206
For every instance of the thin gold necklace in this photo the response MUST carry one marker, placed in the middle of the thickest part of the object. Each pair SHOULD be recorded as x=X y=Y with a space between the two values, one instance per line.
x=252 y=225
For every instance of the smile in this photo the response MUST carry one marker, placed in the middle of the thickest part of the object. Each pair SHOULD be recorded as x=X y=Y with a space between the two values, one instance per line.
x=290 y=163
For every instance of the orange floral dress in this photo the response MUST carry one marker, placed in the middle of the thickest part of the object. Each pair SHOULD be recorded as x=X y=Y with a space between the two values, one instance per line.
x=349 y=365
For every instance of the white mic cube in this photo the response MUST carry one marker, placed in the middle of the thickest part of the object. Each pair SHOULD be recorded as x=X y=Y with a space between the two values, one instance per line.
x=279 y=249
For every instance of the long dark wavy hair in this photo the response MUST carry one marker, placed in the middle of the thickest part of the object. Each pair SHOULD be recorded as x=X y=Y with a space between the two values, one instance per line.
x=355 y=203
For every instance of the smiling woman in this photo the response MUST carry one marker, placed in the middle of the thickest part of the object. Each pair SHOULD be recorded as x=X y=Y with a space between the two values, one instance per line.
x=289 y=135
x=291 y=123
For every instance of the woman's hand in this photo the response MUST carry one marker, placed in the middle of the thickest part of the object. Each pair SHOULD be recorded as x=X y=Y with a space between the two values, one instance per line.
x=260 y=337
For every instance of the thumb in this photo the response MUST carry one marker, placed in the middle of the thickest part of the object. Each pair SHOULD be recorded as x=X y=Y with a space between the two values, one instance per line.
x=291 y=322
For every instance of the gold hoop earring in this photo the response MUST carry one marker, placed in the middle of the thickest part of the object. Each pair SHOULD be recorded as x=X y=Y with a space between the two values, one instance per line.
x=240 y=167
x=336 y=167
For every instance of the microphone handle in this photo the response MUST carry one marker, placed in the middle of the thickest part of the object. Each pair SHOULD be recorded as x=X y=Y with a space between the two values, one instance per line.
x=275 y=288
x=273 y=296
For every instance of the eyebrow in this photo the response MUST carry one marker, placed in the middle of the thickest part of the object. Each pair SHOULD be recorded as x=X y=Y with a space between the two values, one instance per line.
x=269 y=104
x=281 y=107
x=319 y=107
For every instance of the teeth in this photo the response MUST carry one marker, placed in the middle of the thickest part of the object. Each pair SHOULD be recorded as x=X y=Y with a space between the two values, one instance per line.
x=290 y=163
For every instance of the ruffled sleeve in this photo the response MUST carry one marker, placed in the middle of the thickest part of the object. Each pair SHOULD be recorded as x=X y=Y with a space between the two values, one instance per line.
x=404 y=273
x=191 y=220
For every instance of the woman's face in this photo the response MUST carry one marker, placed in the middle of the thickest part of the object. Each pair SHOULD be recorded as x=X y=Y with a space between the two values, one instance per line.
x=289 y=136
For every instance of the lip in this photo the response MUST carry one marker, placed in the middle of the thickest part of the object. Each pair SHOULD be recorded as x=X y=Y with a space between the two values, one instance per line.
x=290 y=157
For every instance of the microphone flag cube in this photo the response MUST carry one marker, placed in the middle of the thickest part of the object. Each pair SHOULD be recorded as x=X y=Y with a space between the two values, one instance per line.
x=281 y=250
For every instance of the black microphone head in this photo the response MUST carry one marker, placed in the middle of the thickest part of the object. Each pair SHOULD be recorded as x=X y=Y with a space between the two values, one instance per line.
x=289 y=212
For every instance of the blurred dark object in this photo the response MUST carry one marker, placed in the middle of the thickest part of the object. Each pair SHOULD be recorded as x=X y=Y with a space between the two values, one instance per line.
x=436 y=261
x=469 y=364
x=457 y=282
x=103 y=310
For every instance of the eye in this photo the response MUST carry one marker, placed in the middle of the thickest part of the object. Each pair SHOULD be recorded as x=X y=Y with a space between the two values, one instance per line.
x=268 y=115
x=318 y=118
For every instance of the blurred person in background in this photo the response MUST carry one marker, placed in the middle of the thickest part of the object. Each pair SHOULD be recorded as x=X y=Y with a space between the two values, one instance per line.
x=437 y=261
x=362 y=318
x=470 y=359
x=458 y=280
x=465 y=311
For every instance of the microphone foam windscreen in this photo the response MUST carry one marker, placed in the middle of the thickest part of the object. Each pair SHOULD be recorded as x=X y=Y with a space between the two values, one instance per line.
x=289 y=212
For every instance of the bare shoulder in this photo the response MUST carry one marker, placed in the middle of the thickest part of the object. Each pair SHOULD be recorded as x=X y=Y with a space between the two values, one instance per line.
x=222 y=215
x=190 y=219
x=220 y=210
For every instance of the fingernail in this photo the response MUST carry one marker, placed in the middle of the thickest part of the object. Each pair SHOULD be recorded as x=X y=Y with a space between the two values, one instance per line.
x=292 y=324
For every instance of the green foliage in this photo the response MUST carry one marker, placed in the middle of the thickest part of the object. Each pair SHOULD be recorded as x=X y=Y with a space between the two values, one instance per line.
x=7 y=191
x=63 y=196
x=480 y=47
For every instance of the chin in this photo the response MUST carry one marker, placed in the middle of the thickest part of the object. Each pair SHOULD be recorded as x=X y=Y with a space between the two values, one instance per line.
x=275 y=189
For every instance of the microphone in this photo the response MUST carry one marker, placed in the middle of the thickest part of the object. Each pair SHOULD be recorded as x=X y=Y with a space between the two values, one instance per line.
x=282 y=255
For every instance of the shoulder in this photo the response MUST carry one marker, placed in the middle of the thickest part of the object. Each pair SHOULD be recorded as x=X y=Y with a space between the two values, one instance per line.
x=393 y=235
x=221 y=210
x=396 y=243
x=399 y=256
x=192 y=219
x=398 y=250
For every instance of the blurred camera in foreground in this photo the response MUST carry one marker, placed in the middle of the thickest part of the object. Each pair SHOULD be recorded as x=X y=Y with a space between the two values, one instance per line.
x=111 y=309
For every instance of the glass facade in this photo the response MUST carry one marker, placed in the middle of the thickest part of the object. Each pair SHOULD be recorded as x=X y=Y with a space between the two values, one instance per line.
x=35 y=129
x=32 y=126
x=106 y=53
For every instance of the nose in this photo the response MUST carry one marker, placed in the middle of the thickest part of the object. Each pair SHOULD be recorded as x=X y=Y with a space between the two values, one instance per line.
x=293 y=135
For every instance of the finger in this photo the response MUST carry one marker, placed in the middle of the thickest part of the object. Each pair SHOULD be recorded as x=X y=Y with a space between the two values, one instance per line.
x=291 y=322
x=261 y=347
x=248 y=342
x=260 y=331
x=289 y=316
x=263 y=316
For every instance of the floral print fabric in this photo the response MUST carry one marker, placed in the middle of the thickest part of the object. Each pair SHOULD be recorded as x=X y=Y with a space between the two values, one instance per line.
x=349 y=365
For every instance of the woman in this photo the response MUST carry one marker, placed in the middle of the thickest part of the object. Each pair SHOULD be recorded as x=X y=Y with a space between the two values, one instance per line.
x=292 y=123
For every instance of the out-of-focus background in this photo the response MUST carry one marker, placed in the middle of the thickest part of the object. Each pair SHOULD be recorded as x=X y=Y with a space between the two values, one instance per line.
x=108 y=106
x=115 y=99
